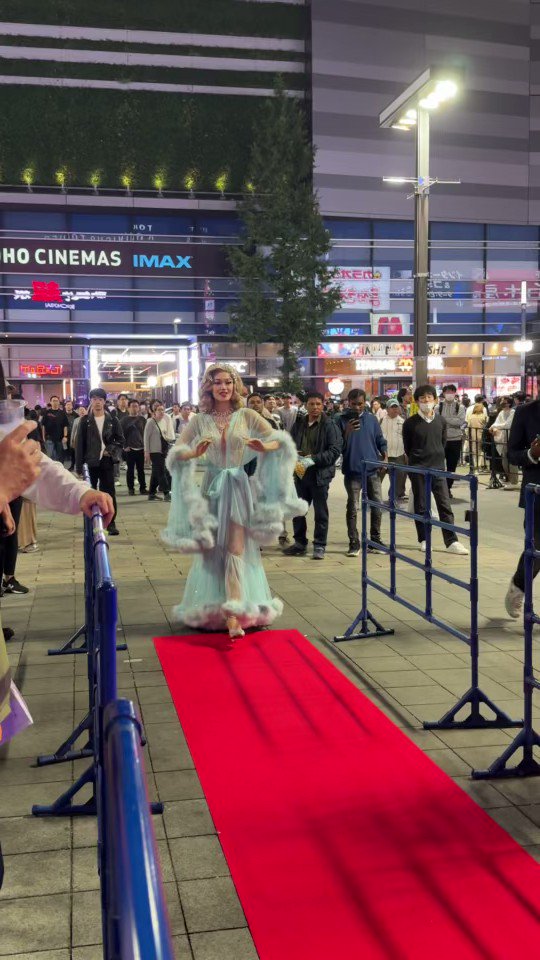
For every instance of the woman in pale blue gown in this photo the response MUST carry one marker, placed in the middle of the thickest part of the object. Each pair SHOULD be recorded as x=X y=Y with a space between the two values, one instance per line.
x=225 y=521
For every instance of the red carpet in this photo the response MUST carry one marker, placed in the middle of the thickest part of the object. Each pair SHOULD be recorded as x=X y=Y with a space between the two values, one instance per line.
x=345 y=842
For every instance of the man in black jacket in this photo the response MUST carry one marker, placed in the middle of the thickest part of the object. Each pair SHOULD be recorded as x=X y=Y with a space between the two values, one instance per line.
x=99 y=444
x=524 y=451
x=318 y=441
x=133 y=429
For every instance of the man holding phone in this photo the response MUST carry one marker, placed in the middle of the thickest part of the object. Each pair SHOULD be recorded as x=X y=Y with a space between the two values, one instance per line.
x=362 y=440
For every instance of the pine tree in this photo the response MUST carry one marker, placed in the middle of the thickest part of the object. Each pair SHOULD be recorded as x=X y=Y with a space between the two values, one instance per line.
x=287 y=292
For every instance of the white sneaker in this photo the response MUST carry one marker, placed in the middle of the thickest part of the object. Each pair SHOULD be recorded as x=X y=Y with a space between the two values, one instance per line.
x=459 y=548
x=422 y=546
x=513 y=601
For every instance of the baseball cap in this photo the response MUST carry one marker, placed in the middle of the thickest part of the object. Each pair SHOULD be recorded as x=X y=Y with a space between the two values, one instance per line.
x=392 y=403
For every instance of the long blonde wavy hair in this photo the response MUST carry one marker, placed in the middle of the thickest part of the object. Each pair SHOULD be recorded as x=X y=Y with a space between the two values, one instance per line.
x=206 y=400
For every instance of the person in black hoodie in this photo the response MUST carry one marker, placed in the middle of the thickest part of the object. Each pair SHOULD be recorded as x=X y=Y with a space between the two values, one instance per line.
x=99 y=444
x=318 y=441
x=133 y=429
x=524 y=452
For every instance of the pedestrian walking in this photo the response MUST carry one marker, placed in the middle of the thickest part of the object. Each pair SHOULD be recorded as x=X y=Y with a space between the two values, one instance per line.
x=156 y=448
x=133 y=429
x=318 y=442
x=55 y=427
x=453 y=413
x=424 y=439
x=392 y=431
x=99 y=444
x=362 y=440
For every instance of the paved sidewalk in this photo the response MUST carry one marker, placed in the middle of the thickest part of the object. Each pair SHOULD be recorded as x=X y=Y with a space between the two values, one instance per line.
x=49 y=906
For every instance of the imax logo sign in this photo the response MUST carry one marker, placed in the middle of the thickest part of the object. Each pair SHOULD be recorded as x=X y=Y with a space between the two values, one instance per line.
x=162 y=263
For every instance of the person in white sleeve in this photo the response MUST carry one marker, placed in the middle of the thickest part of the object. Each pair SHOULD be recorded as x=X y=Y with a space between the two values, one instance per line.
x=25 y=470
x=392 y=431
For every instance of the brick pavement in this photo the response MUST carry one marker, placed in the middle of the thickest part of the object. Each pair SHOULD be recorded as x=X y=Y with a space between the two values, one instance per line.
x=49 y=907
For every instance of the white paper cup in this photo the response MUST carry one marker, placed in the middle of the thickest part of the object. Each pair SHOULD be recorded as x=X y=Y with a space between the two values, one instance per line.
x=11 y=416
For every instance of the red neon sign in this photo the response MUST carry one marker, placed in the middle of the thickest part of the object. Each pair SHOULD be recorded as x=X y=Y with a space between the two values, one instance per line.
x=46 y=291
x=41 y=369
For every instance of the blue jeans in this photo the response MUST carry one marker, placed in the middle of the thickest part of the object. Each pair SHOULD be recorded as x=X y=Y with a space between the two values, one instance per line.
x=55 y=450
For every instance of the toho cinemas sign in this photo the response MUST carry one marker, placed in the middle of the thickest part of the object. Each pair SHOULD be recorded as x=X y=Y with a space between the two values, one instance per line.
x=123 y=258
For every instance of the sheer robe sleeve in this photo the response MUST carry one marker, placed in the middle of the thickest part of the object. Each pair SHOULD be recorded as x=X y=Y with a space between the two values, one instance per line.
x=259 y=428
x=190 y=527
x=274 y=492
x=189 y=433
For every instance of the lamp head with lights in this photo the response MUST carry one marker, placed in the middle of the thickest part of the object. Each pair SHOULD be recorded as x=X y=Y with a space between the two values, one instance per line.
x=431 y=89
x=523 y=346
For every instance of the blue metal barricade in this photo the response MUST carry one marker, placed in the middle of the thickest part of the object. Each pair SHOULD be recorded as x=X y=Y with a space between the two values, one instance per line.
x=134 y=915
x=85 y=631
x=101 y=617
x=527 y=739
x=370 y=627
x=135 y=922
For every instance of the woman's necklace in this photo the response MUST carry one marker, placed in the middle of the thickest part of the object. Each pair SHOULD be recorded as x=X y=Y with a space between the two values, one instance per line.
x=222 y=418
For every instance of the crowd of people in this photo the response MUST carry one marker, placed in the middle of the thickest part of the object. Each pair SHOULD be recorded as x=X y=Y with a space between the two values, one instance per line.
x=135 y=435
x=429 y=428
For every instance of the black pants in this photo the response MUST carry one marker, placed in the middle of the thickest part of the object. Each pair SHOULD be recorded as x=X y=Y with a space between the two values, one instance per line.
x=308 y=490
x=9 y=545
x=102 y=478
x=452 y=451
x=160 y=476
x=519 y=576
x=444 y=509
x=135 y=461
x=401 y=476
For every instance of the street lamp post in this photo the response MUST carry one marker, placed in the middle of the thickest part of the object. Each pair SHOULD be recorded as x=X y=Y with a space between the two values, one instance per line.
x=523 y=346
x=421 y=249
x=411 y=109
x=523 y=353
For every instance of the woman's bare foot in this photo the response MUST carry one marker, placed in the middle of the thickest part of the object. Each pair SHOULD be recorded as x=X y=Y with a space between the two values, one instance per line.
x=234 y=628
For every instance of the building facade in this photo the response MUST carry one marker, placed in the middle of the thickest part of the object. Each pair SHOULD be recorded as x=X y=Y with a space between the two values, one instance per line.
x=124 y=280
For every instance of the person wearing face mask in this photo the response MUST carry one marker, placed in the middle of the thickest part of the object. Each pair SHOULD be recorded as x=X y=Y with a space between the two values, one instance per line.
x=453 y=413
x=424 y=439
x=500 y=431
x=156 y=448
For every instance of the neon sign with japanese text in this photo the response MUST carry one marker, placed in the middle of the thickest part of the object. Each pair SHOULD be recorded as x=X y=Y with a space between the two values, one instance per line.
x=41 y=369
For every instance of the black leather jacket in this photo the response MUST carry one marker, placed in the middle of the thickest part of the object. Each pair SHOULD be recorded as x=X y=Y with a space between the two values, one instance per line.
x=328 y=448
x=89 y=441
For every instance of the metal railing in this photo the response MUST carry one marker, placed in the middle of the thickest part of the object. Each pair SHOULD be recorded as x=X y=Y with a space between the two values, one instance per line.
x=527 y=739
x=134 y=915
x=474 y=697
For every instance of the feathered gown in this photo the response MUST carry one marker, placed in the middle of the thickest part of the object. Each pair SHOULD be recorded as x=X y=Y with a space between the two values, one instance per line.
x=225 y=520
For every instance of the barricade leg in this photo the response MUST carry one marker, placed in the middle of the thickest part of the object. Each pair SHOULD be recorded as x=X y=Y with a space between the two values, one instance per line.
x=370 y=627
x=527 y=739
x=69 y=645
x=63 y=806
x=474 y=698
x=65 y=751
